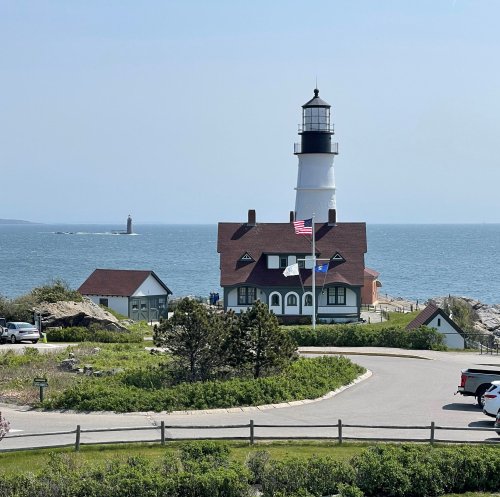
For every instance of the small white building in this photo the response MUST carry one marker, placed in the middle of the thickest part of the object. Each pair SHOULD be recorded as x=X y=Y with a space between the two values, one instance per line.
x=434 y=317
x=139 y=295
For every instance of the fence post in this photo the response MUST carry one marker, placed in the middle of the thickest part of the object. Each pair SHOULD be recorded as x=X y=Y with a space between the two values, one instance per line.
x=252 y=432
x=77 y=441
x=433 y=427
x=162 y=428
x=340 y=431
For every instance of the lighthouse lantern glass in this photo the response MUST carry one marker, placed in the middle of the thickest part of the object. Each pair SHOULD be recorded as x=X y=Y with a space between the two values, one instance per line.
x=316 y=119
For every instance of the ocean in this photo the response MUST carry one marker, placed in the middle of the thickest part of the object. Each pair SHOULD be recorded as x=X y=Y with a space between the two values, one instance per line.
x=414 y=261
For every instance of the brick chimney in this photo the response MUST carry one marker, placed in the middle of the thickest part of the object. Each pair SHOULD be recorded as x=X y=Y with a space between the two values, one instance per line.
x=332 y=217
x=251 y=217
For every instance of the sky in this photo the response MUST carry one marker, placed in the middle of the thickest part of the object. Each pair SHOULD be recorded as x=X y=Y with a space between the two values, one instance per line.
x=187 y=111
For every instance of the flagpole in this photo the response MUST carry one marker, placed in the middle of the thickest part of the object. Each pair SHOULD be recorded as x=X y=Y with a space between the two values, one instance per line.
x=313 y=276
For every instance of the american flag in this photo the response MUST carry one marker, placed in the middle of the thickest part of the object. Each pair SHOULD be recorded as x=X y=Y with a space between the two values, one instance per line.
x=303 y=227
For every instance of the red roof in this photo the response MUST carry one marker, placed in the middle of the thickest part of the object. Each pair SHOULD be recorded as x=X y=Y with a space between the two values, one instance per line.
x=371 y=272
x=117 y=282
x=260 y=240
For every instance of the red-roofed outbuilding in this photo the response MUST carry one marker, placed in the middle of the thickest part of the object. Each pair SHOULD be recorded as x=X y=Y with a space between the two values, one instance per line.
x=139 y=295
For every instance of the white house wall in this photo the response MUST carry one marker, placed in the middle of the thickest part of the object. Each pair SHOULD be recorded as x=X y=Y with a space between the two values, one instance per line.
x=118 y=304
x=149 y=287
x=350 y=300
x=232 y=300
x=452 y=339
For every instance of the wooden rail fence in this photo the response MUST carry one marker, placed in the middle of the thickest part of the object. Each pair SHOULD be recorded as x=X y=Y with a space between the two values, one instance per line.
x=251 y=436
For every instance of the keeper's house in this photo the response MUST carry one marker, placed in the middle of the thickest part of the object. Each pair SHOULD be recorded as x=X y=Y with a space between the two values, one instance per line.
x=254 y=255
x=139 y=295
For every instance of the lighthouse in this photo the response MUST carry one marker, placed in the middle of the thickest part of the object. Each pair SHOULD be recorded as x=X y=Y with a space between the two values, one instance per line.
x=315 y=191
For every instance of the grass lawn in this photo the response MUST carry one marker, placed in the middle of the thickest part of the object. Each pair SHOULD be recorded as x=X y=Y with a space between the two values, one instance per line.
x=33 y=460
x=18 y=370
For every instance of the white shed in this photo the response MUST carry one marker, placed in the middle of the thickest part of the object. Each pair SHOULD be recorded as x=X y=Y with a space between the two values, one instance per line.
x=139 y=295
x=434 y=317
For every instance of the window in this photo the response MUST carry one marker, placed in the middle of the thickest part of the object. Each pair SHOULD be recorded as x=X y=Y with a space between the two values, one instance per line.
x=336 y=295
x=301 y=264
x=246 y=295
x=246 y=257
x=283 y=261
x=273 y=262
x=275 y=300
x=439 y=321
x=144 y=306
x=308 y=300
x=104 y=302
x=135 y=305
x=291 y=300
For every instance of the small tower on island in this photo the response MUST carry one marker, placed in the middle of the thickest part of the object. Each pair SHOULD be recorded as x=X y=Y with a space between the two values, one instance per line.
x=315 y=191
x=129 y=225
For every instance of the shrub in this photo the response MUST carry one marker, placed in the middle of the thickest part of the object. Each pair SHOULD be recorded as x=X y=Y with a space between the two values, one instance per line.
x=415 y=470
x=257 y=462
x=304 y=378
x=344 y=335
x=81 y=334
x=319 y=476
x=58 y=291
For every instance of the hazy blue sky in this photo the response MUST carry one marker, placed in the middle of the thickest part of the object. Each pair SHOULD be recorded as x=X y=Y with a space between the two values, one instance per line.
x=186 y=111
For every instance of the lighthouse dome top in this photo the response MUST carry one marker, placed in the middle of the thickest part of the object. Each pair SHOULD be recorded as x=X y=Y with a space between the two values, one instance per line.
x=316 y=101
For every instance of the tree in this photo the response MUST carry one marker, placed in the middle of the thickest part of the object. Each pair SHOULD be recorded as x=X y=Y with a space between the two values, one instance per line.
x=4 y=426
x=267 y=345
x=237 y=347
x=195 y=338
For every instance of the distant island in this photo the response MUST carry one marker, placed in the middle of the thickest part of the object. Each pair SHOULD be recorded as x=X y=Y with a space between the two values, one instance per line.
x=15 y=221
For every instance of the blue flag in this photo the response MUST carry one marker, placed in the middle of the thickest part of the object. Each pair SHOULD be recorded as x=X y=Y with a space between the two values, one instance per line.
x=321 y=268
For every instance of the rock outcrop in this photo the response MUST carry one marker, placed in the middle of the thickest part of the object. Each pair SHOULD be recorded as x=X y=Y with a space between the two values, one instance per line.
x=82 y=313
x=487 y=317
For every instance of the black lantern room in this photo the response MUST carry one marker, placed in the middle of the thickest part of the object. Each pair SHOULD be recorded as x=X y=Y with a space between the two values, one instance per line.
x=316 y=130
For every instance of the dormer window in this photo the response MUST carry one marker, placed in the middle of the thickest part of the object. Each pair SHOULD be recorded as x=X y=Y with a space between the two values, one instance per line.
x=246 y=257
x=337 y=258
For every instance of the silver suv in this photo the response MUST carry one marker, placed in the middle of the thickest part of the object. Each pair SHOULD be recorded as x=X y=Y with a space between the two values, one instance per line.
x=18 y=331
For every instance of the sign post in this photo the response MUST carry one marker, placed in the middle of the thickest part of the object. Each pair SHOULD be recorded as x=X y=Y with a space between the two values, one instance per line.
x=42 y=383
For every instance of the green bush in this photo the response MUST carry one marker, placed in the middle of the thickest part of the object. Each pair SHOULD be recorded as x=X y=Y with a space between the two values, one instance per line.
x=257 y=462
x=137 y=476
x=81 y=334
x=345 y=335
x=58 y=291
x=416 y=470
x=319 y=476
x=303 y=379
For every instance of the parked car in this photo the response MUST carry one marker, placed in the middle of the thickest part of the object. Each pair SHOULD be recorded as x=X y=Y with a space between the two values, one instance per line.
x=497 y=423
x=492 y=400
x=19 y=331
x=3 y=328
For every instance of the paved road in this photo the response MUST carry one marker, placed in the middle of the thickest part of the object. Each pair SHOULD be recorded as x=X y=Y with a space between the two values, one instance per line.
x=403 y=391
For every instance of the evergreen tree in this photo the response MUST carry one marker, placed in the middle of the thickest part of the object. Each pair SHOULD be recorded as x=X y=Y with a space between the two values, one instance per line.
x=194 y=337
x=267 y=345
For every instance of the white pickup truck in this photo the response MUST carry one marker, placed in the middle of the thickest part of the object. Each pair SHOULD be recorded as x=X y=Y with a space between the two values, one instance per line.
x=474 y=382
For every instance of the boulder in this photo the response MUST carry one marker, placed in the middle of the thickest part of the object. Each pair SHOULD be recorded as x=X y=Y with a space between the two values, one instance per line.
x=85 y=313
x=68 y=364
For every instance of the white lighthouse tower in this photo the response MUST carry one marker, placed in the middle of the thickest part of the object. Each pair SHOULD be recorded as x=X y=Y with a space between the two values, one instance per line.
x=316 y=178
